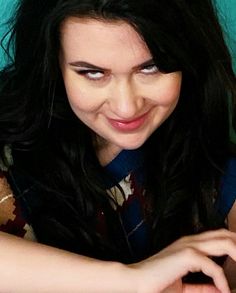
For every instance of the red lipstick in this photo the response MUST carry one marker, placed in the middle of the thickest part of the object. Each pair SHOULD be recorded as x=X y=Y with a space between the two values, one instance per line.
x=128 y=125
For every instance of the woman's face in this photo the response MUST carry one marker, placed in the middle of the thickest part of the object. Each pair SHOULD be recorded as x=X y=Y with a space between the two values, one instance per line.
x=112 y=83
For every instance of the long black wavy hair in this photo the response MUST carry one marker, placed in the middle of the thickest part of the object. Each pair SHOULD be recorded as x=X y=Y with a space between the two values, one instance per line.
x=185 y=156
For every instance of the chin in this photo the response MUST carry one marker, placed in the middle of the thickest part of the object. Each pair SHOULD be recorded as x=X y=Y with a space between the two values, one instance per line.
x=132 y=146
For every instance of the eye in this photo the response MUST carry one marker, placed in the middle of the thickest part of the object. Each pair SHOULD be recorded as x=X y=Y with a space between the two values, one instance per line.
x=150 y=69
x=92 y=74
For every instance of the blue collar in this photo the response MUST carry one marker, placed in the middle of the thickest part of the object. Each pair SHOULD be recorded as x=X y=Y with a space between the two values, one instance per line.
x=124 y=163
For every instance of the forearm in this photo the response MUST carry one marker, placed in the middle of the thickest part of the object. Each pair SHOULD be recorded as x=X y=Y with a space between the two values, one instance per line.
x=31 y=267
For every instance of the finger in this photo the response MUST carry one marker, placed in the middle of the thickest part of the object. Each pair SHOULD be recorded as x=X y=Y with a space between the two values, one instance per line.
x=192 y=260
x=191 y=288
x=217 y=247
x=220 y=233
x=208 y=267
x=176 y=287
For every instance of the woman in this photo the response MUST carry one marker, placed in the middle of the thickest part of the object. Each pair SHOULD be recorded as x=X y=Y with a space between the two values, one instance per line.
x=115 y=142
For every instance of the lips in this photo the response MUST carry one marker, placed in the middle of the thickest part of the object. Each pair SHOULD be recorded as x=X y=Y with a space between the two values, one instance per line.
x=128 y=125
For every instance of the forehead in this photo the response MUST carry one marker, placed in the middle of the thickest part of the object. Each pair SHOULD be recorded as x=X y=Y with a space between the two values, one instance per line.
x=100 y=41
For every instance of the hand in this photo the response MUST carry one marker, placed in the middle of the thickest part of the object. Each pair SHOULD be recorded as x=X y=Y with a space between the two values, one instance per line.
x=188 y=254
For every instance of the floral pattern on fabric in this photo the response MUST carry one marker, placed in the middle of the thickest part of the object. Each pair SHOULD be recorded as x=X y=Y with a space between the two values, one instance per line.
x=11 y=218
x=127 y=198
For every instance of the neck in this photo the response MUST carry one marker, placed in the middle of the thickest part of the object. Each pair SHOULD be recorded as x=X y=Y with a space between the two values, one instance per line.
x=105 y=150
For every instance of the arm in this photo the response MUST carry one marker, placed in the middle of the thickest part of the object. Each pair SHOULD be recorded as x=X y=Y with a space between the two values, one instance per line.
x=31 y=267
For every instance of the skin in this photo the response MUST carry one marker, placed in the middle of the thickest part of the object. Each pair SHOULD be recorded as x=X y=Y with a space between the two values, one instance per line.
x=190 y=254
x=178 y=287
x=124 y=85
x=29 y=263
x=230 y=265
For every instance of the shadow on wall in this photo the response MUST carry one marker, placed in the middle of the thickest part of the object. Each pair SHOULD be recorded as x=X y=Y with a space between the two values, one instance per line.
x=227 y=14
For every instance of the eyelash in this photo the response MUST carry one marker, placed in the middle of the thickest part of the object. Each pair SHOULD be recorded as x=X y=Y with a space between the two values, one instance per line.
x=153 y=69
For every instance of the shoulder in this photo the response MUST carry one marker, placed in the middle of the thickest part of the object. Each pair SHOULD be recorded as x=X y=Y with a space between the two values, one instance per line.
x=12 y=219
x=7 y=202
x=227 y=190
x=6 y=194
x=228 y=181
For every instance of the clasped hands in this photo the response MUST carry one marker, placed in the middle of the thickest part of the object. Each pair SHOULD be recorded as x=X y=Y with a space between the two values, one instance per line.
x=162 y=272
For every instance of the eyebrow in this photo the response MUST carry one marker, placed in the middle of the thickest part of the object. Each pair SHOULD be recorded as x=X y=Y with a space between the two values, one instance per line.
x=95 y=67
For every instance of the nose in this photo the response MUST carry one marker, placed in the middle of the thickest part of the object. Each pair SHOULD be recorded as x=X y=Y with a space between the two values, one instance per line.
x=125 y=101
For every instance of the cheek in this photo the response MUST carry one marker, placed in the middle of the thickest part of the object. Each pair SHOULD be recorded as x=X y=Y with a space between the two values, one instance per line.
x=170 y=97
x=165 y=97
x=83 y=98
x=167 y=93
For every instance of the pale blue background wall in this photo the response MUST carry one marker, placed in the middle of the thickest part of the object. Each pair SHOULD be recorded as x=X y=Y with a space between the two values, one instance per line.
x=227 y=14
x=6 y=9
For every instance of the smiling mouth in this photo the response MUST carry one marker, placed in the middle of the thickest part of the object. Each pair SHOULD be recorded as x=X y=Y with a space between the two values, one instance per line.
x=128 y=125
